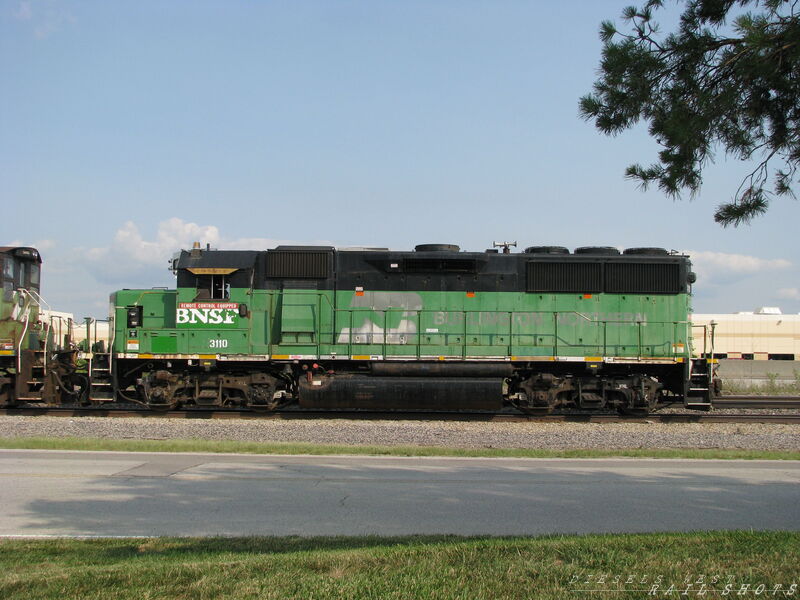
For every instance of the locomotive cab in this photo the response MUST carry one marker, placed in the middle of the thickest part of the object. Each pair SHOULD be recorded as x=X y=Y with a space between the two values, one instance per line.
x=209 y=275
x=20 y=270
x=201 y=343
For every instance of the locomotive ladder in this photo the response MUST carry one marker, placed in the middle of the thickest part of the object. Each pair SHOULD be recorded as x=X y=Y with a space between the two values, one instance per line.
x=700 y=389
x=33 y=384
x=98 y=357
x=101 y=389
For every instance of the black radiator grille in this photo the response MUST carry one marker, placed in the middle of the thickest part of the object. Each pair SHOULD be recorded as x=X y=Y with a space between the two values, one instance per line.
x=643 y=278
x=298 y=265
x=565 y=277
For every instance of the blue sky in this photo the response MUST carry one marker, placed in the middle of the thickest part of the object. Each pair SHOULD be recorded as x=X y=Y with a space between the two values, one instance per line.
x=130 y=129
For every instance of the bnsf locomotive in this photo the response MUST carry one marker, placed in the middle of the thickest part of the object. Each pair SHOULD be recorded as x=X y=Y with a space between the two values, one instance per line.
x=432 y=329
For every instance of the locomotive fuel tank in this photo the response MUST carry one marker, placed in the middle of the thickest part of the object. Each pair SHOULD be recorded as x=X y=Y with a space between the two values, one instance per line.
x=355 y=391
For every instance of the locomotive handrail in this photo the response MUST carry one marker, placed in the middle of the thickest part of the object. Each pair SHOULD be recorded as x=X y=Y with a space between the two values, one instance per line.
x=57 y=326
x=27 y=312
x=144 y=293
x=706 y=328
x=416 y=316
x=112 y=329
x=37 y=298
x=21 y=339
x=372 y=337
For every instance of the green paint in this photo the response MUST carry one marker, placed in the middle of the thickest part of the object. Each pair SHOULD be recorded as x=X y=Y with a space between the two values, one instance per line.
x=409 y=324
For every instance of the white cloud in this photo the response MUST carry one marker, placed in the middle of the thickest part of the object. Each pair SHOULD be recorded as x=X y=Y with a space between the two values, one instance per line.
x=80 y=280
x=734 y=263
x=40 y=245
x=132 y=259
x=729 y=282
x=789 y=293
x=172 y=234
x=24 y=11
x=720 y=268
x=44 y=16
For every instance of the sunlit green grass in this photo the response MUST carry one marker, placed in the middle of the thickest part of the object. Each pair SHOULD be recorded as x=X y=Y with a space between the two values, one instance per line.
x=440 y=567
x=228 y=447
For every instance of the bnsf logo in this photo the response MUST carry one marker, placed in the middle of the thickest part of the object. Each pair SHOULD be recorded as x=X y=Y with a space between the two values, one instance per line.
x=211 y=313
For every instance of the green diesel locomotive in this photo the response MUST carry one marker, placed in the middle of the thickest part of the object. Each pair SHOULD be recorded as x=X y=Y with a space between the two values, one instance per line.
x=37 y=360
x=430 y=329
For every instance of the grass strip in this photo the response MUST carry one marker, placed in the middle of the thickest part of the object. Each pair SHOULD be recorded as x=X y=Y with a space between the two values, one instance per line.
x=435 y=567
x=237 y=447
x=771 y=387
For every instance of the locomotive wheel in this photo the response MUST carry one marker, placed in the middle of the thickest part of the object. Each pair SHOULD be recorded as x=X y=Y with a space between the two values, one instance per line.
x=271 y=406
x=525 y=407
x=160 y=399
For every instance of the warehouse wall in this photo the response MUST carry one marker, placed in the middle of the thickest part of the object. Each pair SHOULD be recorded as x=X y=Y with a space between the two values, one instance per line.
x=750 y=336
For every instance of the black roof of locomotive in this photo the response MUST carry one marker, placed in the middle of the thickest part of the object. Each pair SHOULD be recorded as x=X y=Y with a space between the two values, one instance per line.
x=593 y=269
x=15 y=250
x=218 y=259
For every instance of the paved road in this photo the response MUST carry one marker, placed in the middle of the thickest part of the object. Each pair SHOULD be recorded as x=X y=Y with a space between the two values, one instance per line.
x=122 y=494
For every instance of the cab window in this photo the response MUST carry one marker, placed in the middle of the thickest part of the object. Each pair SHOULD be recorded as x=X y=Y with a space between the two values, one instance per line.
x=22 y=275
x=8 y=268
x=212 y=287
x=35 y=269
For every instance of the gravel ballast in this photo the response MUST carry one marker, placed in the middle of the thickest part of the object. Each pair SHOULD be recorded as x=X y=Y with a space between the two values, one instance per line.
x=472 y=435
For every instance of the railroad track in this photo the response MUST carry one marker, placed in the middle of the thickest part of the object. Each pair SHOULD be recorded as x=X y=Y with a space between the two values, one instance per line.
x=757 y=402
x=191 y=413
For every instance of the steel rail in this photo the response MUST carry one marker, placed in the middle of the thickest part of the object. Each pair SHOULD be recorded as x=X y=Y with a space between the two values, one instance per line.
x=757 y=402
x=300 y=414
x=755 y=397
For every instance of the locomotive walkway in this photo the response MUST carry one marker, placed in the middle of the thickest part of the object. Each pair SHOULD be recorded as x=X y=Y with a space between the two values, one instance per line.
x=55 y=493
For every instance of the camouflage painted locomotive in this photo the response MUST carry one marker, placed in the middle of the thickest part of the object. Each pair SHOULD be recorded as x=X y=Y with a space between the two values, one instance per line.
x=432 y=329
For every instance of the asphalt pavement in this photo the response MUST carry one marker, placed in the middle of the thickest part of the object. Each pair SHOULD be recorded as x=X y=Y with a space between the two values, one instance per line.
x=55 y=493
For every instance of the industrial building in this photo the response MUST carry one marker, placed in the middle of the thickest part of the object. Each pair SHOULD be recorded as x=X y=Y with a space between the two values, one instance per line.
x=764 y=334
